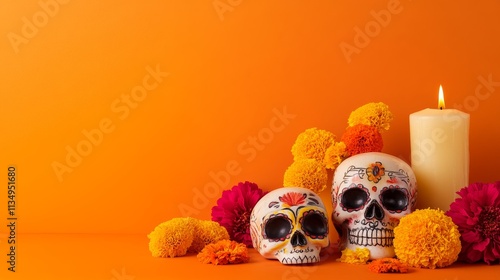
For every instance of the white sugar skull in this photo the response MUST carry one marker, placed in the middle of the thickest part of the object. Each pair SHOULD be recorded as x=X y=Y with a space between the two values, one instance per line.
x=371 y=192
x=291 y=225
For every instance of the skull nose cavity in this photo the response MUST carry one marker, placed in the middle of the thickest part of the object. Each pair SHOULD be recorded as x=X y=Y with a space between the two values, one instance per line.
x=374 y=211
x=298 y=239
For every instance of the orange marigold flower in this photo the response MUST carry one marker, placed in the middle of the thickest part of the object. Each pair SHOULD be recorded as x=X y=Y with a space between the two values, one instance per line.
x=362 y=139
x=172 y=238
x=306 y=173
x=312 y=144
x=387 y=265
x=224 y=252
x=372 y=114
x=427 y=238
x=335 y=154
x=358 y=256
x=206 y=232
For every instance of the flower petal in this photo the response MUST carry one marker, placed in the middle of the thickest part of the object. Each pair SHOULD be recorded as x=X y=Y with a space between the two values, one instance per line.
x=472 y=256
x=489 y=255
x=471 y=236
x=481 y=246
x=492 y=195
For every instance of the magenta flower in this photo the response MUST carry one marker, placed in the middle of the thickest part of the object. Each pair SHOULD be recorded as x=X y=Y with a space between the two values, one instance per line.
x=477 y=215
x=234 y=208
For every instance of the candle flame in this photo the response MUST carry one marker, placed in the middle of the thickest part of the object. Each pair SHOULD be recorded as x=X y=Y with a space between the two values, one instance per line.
x=441 y=98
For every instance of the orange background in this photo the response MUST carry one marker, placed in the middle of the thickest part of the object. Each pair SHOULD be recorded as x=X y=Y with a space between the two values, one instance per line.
x=225 y=79
x=233 y=67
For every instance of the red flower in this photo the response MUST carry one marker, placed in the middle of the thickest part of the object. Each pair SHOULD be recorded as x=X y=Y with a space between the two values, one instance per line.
x=234 y=208
x=477 y=215
x=293 y=198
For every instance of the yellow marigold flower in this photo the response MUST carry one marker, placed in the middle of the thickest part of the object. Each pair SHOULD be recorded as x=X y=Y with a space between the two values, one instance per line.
x=306 y=173
x=224 y=252
x=427 y=239
x=335 y=154
x=172 y=238
x=372 y=114
x=206 y=232
x=312 y=143
x=358 y=256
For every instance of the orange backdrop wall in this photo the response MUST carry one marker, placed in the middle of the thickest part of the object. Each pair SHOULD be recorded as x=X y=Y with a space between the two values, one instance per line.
x=121 y=115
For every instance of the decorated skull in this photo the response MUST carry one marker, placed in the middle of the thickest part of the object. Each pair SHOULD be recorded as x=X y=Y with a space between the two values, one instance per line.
x=371 y=192
x=290 y=224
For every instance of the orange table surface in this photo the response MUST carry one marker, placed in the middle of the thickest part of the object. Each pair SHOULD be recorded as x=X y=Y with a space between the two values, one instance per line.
x=126 y=257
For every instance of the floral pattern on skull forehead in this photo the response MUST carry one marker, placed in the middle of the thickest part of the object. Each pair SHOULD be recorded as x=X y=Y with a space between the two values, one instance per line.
x=295 y=199
x=375 y=173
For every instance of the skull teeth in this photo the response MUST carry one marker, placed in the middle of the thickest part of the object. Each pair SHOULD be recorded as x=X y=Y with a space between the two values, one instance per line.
x=299 y=260
x=371 y=237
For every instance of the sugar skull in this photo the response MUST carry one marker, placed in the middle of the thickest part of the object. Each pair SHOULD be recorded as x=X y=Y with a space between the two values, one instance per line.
x=291 y=225
x=371 y=192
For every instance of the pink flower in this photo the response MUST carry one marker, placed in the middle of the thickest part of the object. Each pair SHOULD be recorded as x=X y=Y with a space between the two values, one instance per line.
x=477 y=215
x=234 y=208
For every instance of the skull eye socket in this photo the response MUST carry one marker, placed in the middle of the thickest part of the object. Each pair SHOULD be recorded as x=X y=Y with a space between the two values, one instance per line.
x=314 y=224
x=394 y=199
x=354 y=198
x=278 y=227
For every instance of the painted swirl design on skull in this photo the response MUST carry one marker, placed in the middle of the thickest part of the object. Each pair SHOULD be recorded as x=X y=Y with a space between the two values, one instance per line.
x=291 y=225
x=371 y=192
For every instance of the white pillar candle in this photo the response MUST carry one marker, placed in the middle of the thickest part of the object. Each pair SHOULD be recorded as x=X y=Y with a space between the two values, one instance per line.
x=439 y=154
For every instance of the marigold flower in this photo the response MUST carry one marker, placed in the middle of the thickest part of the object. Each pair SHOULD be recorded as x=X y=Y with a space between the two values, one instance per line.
x=359 y=256
x=372 y=114
x=312 y=144
x=427 y=238
x=172 y=238
x=335 y=154
x=206 y=232
x=477 y=215
x=233 y=210
x=224 y=252
x=362 y=139
x=306 y=173
x=387 y=265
